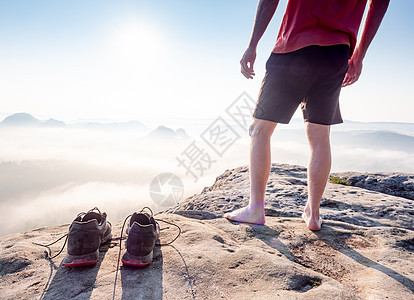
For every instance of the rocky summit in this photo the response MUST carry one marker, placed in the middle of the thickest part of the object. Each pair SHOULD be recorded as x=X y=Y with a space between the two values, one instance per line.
x=365 y=249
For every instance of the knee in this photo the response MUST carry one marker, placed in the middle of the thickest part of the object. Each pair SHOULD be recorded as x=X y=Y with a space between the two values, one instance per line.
x=253 y=130
x=261 y=128
x=318 y=135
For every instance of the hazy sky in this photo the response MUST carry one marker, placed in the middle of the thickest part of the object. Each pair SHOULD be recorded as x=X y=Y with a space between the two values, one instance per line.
x=156 y=60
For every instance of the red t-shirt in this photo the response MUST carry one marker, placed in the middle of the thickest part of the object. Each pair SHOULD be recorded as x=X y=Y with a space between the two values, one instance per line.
x=319 y=22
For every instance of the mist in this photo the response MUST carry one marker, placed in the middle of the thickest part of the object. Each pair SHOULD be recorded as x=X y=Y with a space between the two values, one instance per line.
x=49 y=175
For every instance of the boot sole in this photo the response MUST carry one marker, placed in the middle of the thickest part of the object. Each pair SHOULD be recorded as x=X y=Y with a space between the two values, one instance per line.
x=137 y=261
x=85 y=259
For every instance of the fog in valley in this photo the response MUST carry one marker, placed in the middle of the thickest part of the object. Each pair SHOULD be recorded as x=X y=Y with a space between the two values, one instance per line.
x=50 y=171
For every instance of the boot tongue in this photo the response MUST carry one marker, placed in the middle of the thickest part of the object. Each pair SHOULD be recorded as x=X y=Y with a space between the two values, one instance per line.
x=92 y=215
x=140 y=218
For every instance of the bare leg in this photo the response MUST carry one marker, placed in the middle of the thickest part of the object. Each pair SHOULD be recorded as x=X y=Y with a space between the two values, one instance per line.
x=318 y=172
x=260 y=132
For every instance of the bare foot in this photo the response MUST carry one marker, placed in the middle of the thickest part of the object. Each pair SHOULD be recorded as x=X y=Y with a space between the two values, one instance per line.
x=312 y=222
x=247 y=215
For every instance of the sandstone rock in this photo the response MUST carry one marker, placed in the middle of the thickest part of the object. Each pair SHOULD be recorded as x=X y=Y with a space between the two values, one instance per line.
x=286 y=196
x=364 y=250
x=397 y=184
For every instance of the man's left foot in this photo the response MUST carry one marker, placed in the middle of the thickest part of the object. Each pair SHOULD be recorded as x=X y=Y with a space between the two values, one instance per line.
x=312 y=222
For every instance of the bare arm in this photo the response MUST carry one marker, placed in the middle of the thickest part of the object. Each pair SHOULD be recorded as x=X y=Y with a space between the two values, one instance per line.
x=376 y=12
x=264 y=13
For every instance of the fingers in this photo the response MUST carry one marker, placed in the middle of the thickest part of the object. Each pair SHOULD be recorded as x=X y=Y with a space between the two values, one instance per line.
x=354 y=71
x=247 y=62
x=247 y=70
x=350 y=79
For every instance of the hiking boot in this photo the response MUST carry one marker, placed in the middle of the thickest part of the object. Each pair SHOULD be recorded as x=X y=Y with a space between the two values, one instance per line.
x=86 y=234
x=142 y=232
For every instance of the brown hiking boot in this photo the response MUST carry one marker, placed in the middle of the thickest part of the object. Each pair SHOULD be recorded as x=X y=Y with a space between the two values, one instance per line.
x=143 y=231
x=86 y=234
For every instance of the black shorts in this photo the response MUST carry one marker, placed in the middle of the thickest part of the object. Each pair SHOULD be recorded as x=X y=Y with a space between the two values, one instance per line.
x=312 y=77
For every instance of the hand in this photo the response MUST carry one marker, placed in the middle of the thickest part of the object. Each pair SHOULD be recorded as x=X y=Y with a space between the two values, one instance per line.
x=354 y=71
x=247 y=62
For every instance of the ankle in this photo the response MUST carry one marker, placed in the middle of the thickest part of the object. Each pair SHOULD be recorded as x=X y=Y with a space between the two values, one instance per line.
x=256 y=205
x=311 y=212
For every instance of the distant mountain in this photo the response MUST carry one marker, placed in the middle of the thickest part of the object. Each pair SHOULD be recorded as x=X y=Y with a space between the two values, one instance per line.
x=384 y=140
x=54 y=123
x=367 y=139
x=165 y=132
x=400 y=127
x=20 y=119
x=27 y=120
x=181 y=132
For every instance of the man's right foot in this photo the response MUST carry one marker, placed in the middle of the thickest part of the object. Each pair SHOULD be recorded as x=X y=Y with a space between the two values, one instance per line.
x=247 y=215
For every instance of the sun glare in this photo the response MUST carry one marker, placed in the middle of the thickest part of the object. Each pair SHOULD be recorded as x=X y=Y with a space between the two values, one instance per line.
x=138 y=44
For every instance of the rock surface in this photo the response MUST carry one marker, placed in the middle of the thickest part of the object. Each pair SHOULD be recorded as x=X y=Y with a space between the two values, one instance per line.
x=397 y=184
x=286 y=196
x=365 y=250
